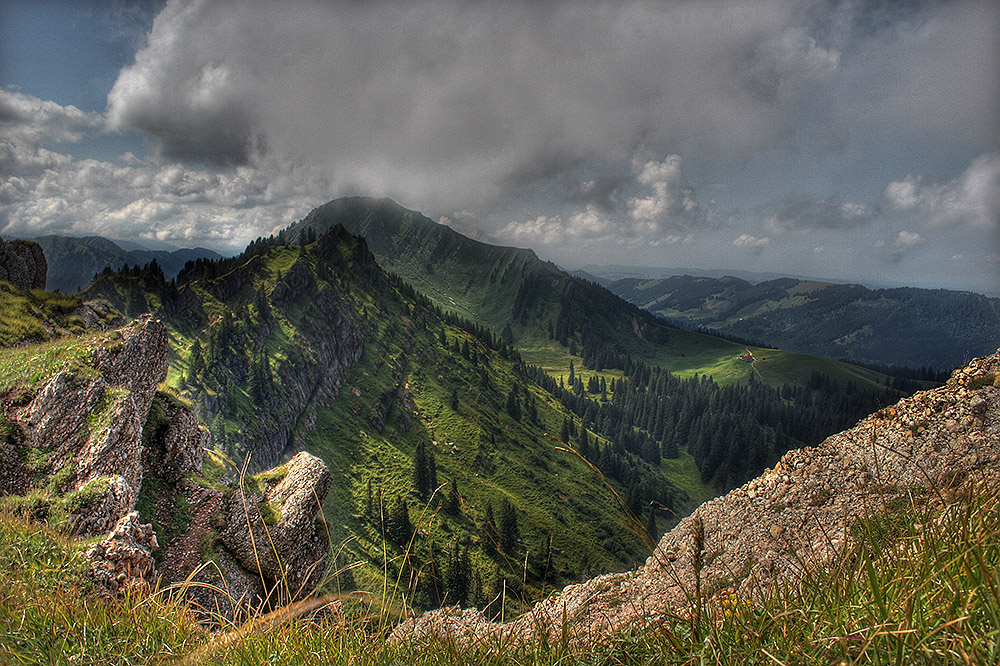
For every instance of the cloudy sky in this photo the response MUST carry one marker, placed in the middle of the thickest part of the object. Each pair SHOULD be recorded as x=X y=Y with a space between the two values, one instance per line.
x=847 y=140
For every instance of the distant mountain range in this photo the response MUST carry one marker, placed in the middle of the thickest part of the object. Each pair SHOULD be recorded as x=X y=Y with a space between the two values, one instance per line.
x=73 y=262
x=905 y=326
x=605 y=274
x=551 y=317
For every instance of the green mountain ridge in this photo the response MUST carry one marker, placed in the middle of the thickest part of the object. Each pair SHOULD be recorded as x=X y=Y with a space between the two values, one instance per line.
x=399 y=383
x=551 y=317
x=431 y=421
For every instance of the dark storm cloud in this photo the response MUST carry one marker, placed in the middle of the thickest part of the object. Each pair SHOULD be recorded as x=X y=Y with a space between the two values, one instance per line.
x=806 y=211
x=561 y=125
x=460 y=102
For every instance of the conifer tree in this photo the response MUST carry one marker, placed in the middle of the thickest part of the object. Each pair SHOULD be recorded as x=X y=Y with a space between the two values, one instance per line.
x=196 y=362
x=452 y=502
x=261 y=305
x=651 y=525
x=457 y=578
x=507 y=528
x=398 y=526
x=514 y=404
x=424 y=471
x=584 y=442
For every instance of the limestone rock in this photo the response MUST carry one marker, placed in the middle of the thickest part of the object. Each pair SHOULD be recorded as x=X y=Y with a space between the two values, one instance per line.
x=95 y=311
x=124 y=560
x=292 y=548
x=100 y=503
x=56 y=418
x=90 y=423
x=176 y=445
x=236 y=592
x=114 y=447
x=139 y=361
x=22 y=263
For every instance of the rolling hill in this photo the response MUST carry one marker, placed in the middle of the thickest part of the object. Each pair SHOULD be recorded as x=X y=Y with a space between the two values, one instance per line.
x=918 y=328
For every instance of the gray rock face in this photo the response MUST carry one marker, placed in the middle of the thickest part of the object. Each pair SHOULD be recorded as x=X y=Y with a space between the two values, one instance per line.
x=22 y=263
x=177 y=446
x=124 y=560
x=276 y=534
x=93 y=422
x=335 y=343
x=56 y=418
x=95 y=311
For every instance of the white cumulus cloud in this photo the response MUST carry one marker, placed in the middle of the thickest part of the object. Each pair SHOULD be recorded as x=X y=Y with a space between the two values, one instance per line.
x=971 y=199
x=672 y=201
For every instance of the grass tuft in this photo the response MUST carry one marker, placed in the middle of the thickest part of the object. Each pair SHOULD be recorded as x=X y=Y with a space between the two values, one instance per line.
x=924 y=590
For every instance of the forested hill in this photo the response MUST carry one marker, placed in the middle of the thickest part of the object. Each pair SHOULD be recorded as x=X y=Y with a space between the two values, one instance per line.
x=73 y=261
x=549 y=316
x=911 y=327
x=312 y=345
x=428 y=421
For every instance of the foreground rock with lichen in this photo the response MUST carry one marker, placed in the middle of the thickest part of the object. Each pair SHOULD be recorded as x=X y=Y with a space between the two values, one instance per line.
x=796 y=515
x=84 y=445
x=23 y=264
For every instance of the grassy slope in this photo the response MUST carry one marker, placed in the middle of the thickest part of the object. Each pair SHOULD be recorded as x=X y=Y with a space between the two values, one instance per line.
x=881 y=603
x=36 y=315
x=490 y=456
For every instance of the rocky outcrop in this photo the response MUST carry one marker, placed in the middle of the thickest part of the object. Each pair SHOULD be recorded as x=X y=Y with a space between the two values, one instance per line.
x=22 y=263
x=124 y=559
x=796 y=515
x=98 y=313
x=90 y=423
x=332 y=342
x=174 y=442
x=98 y=435
x=275 y=533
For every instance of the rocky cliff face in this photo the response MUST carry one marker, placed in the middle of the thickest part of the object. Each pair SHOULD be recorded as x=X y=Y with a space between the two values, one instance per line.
x=797 y=514
x=22 y=263
x=335 y=341
x=307 y=363
x=89 y=421
x=93 y=438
